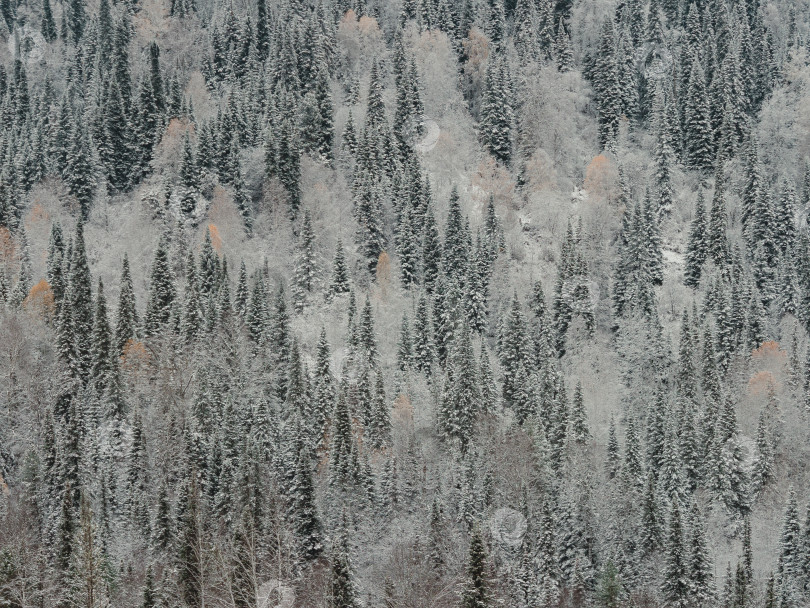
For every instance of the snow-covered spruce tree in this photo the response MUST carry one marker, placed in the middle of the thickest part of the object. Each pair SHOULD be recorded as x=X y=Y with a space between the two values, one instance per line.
x=162 y=292
x=476 y=590
x=306 y=264
x=461 y=401
x=607 y=87
x=342 y=592
x=368 y=212
x=700 y=570
x=303 y=509
x=676 y=585
x=613 y=460
x=790 y=551
x=696 y=247
x=127 y=320
x=497 y=111
x=79 y=173
x=698 y=133
x=340 y=273
x=572 y=296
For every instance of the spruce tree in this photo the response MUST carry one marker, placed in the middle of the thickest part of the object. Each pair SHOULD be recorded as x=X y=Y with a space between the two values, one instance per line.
x=676 y=584
x=461 y=401
x=86 y=584
x=633 y=469
x=79 y=173
x=305 y=264
x=323 y=389
x=610 y=586
x=189 y=179
x=193 y=321
x=126 y=327
x=340 y=273
x=651 y=520
x=717 y=242
x=189 y=558
x=497 y=113
x=476 y=592
x=342 y=592
x=423 y=347
x=579 y=417
x=763 y=471
x=149 y=592
x=79 y=307
x=48 y=27
x=700 y=566
x=431 y=250
x=405 y=357
x=102 y=349
x=613 y=461
x=76 y=19
x=304 y=511
x=368 y=211
x=697 y=246
x=607 y=87
x=698 y=135
x=790 y=551
x=162 y=292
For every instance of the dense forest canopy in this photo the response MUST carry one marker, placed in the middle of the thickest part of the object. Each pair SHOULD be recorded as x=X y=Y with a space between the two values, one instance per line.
x=407 y=303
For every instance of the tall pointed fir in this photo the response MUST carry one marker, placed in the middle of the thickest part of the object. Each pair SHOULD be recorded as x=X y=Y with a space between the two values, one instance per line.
x=48 y=25
x=162 y=292
x=701 y=567
x=340 y=273
x=461 y=401
x=308 y=526
x=126 y=327
x=698 y=135
x=79 y=307
x=476 y=593
x=676 y=584
x=607 y=87
x=189 y=179
x=696 y=246
x=306 y=264
x=342 y=591
x=497 y=113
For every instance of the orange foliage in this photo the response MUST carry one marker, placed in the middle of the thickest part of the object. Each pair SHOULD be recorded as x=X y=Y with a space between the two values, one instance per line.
x=7 y=246
x=476 y=48
x=223 y=211
x=349 y=19
x=135 y=356
x=178 y=127
x=38 y=215
x=368 y=26
x=170 y=149
x=539 y=172
x=601 y=178
x=770 y=362
x=383 y=271
x=495 y=180
x=40 y=299
x=769 y=351
x=403 y=410
x=216 y=240
x=761 y=383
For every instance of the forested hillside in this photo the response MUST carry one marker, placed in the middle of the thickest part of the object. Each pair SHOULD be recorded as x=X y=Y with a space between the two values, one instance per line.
x=404 y=303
